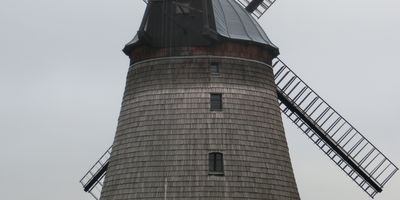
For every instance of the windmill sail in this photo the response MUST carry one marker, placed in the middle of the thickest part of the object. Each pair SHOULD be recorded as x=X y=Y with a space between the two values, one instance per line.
x=256 y=7
x=333 y=134
x=92 y=182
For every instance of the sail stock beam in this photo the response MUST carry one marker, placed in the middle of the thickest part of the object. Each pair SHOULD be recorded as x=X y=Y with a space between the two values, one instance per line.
x=334 y=135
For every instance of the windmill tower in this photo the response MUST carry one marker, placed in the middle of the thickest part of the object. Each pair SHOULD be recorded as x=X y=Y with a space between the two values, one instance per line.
x=201 y=112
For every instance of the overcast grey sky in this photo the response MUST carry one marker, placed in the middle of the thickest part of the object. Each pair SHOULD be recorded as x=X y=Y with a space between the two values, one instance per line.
x=62 y=75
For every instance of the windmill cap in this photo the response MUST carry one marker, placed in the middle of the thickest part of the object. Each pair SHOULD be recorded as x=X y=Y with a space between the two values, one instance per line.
x=229 y=21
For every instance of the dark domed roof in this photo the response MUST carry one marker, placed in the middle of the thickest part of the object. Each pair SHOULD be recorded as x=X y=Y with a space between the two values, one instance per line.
x=227 y=19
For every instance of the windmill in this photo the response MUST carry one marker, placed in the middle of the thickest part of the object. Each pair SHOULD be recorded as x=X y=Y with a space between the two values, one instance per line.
x=200 y=112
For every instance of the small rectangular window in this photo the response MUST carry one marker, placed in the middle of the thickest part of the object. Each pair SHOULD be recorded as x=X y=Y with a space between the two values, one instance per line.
x=216 y=102
x=216 y=164
x=214 y=68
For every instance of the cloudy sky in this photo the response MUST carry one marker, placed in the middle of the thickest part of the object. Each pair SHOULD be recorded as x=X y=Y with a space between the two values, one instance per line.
x=62 y=75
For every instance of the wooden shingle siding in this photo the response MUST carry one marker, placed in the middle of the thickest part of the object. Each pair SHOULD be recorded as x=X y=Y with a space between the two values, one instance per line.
x=166 y=132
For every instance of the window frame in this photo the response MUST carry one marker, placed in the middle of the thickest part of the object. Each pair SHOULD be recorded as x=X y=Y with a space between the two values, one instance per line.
x=214 y=68
x=213 y=106
x=213 y=163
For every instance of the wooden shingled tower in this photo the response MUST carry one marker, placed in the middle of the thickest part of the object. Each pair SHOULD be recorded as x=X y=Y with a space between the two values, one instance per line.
x=201 y=112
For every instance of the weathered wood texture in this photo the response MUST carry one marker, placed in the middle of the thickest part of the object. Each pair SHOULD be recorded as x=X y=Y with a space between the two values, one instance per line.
x=166 y=130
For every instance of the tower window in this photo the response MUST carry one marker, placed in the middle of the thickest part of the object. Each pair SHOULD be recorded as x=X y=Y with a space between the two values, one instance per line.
x=216 y=102
x=214 y=68
x=216 y=163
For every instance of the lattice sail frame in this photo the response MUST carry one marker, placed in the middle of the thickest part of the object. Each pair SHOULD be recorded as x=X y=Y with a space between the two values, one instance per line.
x=260 y=10
x=332 y=133
x=93 y=180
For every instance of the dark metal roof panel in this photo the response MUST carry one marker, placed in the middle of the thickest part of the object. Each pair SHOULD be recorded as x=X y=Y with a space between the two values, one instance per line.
x=134 y=40
x=233 y=21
